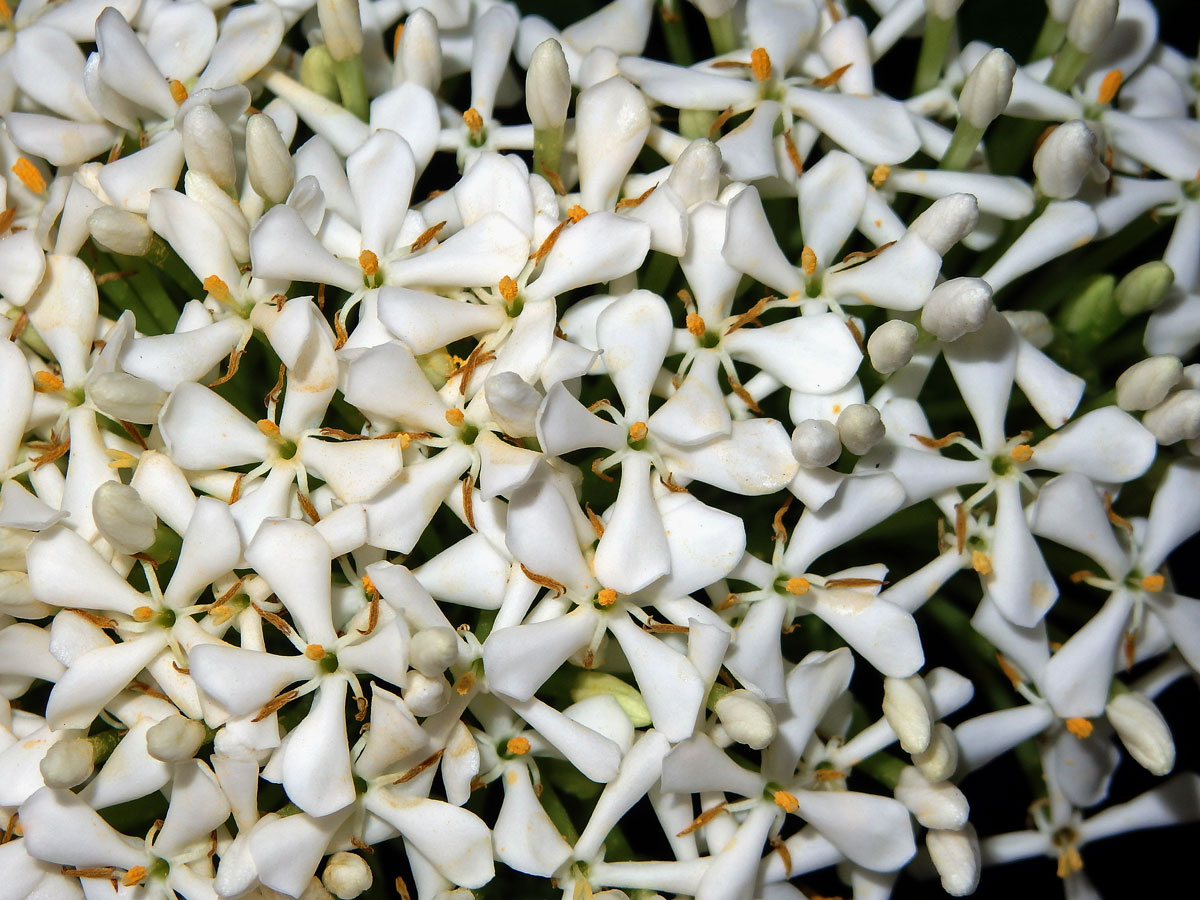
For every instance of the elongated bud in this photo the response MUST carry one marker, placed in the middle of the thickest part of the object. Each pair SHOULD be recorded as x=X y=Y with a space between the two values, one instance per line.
x=317 y=73
x=747 y=719
x=1090 y=23
x=120 y=231
x=208 y=145
x=939 y=760
x=1175 y=419
x=696 y=174
x=987 y=89
x=175 y=739
x=126 y=397
x=433 y=650
x=272 y=172
x=1032 y=324
x=890 y=346
x=1143 y=731
x=67 y=763
x=909 y=710
x=936 y=804
x=1145 y=384
x=947 y=221
x=125 y=521
x=591 y=683
x=341 y=27
x=956 y=307
x=425 y=695
x=420 y=52
x=1060 y=10
x=346 y=875
x=1144 y=288
x=815 y=443
x=548 y=86
x=955 y=855
x=1064 y=158
x=513 y=403
x=860 y=427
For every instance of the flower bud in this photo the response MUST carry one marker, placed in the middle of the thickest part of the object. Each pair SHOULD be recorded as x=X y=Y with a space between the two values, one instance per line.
x=175 y=739
x=1060 y=10
x=956 y=307
x=513 y=403
x=420 y=53
x=120 y=231
x=747 y=719
x=425 y=696
x=341 y=27
x=936 y=804
x=317 y=73
x=126 y=397
x=1065 y=157
x=939 y=760
x=955 y=855
x=346 y=875
x=1145 y=384
x=1031 y=324
x=908 y=708
x=548 y=86
x=1143 y=731
x=125 y=521
x=943 y=9
x=860 y=427
x=815 y=443
x=268 y=163
x=1144 y=288
x=696 y=174
x=948 y=220
x=433 y=650
x=986 y=91
x=1090 y=23
x=208 y=145
x=1175 y=419
x=67 y=763
x=890 y=346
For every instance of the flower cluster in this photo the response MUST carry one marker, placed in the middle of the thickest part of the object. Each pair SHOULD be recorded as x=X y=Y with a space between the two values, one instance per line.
x=567 y=481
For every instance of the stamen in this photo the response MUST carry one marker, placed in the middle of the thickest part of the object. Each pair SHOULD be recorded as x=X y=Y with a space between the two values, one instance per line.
x=396 y=40
x=744 y=395
x=1069 y=862
x=597 y=523
x=218 y=288
x=704 y=818
x=468 y=485
x=517 y=746
x=576 y=213
x=797 y=586
x=760 y=64
x=549 y=242
x=315 y=652
x=1118 y=520
x=545 y=581
x=179 y=93
x=808 y=260
x=465 y=683
x=785 y=801
x=936 y=443
x=235 y=358
x=854 y=583
x=143 y=614
x=29 y=175
x=1010 y=671
x=724 y=116
x=307 y=507
x=606 y=597
x=1079 y=727
x=508 y=289
x=272 y=705
x=426 y=236
x=137 y=873
x=47 y=382
x=880 y=175
x=981 y=562
x=1021 y=453
x=1153 y=583
x=455 y=417
x=419 y=767
x=832 y=78
x=750 y=315
x=1109 y=87
x=631 y=202
x=473 y=120
x=369 y=263
x=785 y=854
x=638 y=431
x=269 y=428
x=793 y=154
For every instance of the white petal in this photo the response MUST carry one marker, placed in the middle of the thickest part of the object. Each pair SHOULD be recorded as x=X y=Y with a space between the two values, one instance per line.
x=640 y=769
x=862 y=502
x=832 y=194
x=198 y=806
x=697 y=765
x=874 y=832
x=1173 y=803
x=590 y=752
x=181 y=38
x=541 y=535
x=1065 y=225
x=64 y=570
x=398 y=515
x=755 y=459
x=524 y=837
x=1021 y=585
x=513 y=670
x=387 y=381
x=611 y=124
x=243 y=680
x=705 y=544
x=901 y=277
x=1069 y=511
x=885 y=635
x=564 y=424
x=127 y=68
x=63 y=310
x=478 y=256
x=59 y=142
x=287 y=850
x=1078 y=675
x=686 y=88
x=316 y=762
x=250 y=36
x=828 y=349
x=381 y=174
x=634 y=334
x=210 y=549
x=61 y=828
x=96 y=677
x=202 y=430
x=983 y=364
x=282 y=247
x=599 y=248
x=983 y=738
x=670 y=684
x=355 y=470
x=875 y=129
x=294 y=559
x=633 y=550
x=750 y=245
x=1052 y=390
x=428 y=322
x=192 y=233
x=1171 y=522
x=455 y=841
x=1107 y=445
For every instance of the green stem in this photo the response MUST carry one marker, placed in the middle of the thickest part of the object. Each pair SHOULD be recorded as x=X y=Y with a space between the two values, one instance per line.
x=103 y=745
x=553 y=805
x=696 y=123
x=883 y=767
x=679 y=48
x=934 y=42
x=1067 y=65
x=547 y=150
x=1049 y=39
x=352 y=85
x=962 y=147
x=723 y=34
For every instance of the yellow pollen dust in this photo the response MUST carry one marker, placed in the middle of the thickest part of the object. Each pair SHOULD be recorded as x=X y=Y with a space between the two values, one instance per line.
x=695 y=325
x=314 y=652
x=179 y=93
x=1153 y=583
x=606 y=597
x=133 y=876
x=518 y=746
x=981 y=562
x=218 y=288
x=880 y=175
x=369 y=263
x=368 y=585
x=1069 y=862
x=1079 y=727
x=808 y=260
x=1109 y=86
x=786 y=801
x=508 y=289
x=46 y=382
x=760 y=64
x=454 y=417
x=1021 y=453
x=269 y=428
x=575 y=213
x=638 y=431
x=797 y=586
x=29 y=175
x=473 y=120
x=143 y=613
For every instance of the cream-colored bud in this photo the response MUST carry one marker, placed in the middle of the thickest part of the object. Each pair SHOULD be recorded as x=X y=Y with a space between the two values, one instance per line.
x=420 y=55
x=1175 y=419
x=1145 y=384
x=1143 y=731
x=747 y=718
x=433 y=650
x=1090 y=23
x=696 y=175
x=208 y=145
x=120 y=231
x=1064 y=159
x=948 y=220
x=425 y=696
x=1060 y=10
x=890 y=346
x=548 y=86
x=987 y=89
x=1032 y=324
x=513 y=403
x=346 y=875
x=939 y=760
x=341 y=27
x=125 y=521
x=272 y=172
x=936 y=804
x=126 y=397
x=815 y=443
x=67 y=763
x=908 y=708
x=955 y=855
x=956 y=307
x=175 y=738
x=860 y=427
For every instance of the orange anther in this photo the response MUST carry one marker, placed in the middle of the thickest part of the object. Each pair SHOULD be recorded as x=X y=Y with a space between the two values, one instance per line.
x=369 y=263
x=46 y=382
x=314 y=652
x=473 y=120
x=143 y=613
x=880 y=174
x=797 y=586
x=695 y=325
x=638 y=431
x=455 y=417
x=179 y=93
x=1153 y=583
x=29 y=175
x=517 y=746
x=785 y=801
x=218 y=288
x=1109 y=86
x=575 y=213
x=808 y=260
x=269 y=428
x=760 y=64
x=1079 y=727
x=1021 y=453
x=981 y=562
x=606 y=597
x=508 y=289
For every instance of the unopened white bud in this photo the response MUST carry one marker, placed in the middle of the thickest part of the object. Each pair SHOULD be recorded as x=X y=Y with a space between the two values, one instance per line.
x=175 y=739
x=747 y=719
x=815 y=443
x=547 y=86
x=513 y=403
x=120 y=231
x=67 y=763
x=1143 y=731
x=939 y=760
x=208 y=145
x=955 y=855
x=986 y=91
x=860 y=427
x=425 y=696
x=346 y=875
x=696 y=174
x=433 y=650
x=908 y=708
x=341 y=27
x=1032 y=324
x=936 y=804
x=1145 y=384
x=268 y=163
x=125 y=521
x=1060 y=10
x=948 y=220
x=420 y=54
x=126 y=397
x=943 y=9
x=1175 y=419
x=1064 y=159
x=956 y=307
x=1090 y=23
x=599 y=65
x=890 y=346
